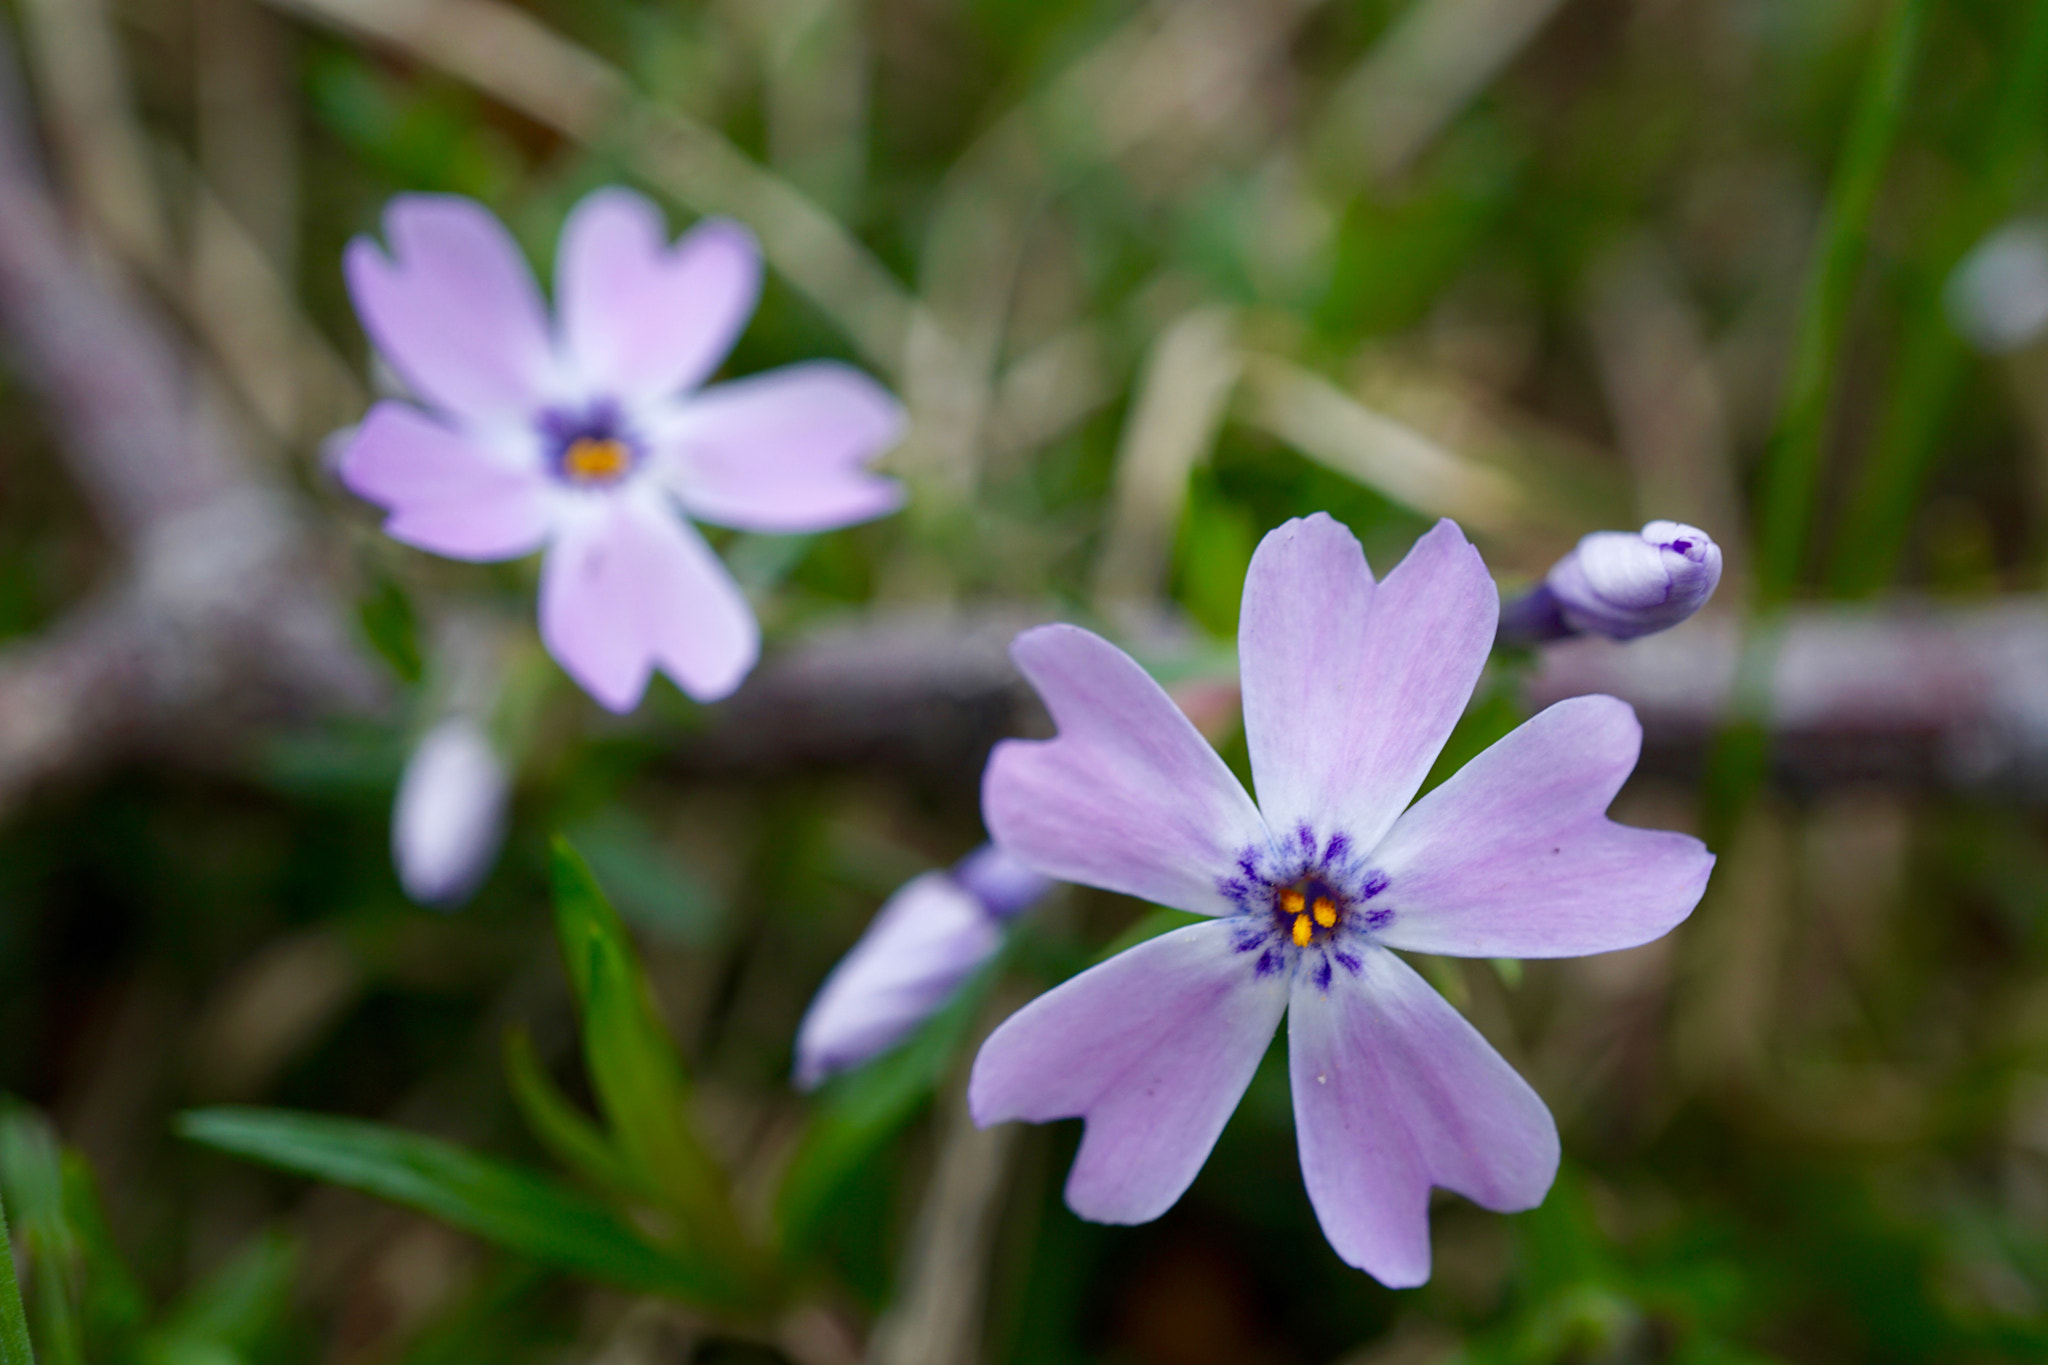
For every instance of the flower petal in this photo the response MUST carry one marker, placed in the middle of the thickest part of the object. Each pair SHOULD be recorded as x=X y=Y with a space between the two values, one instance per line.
x=1514 y=855
x=641 y=319
x=630 y=586
x=454 y=308
x=924 y=942
x=1351 y=689
x=1395 y=1092
x=784 y=451
x=1154 y=1048
x=445 y=492
x=1129 y=796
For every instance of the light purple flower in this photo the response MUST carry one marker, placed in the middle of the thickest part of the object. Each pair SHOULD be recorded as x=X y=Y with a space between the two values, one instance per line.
x=449 y=817
x=1350 y=690
x=926 y=940
x=590 y=434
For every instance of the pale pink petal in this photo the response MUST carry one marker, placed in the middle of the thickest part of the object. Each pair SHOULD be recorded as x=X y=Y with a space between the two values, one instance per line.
x=786 y=451
x=1153 y=1048
x=1351 y=689
x=642 y=319
x=630 y=587
x=924 y=942
x=445 y=493
x=1514 y=855
x=1129 y=796
x=1395 y=1092
x=454 y=309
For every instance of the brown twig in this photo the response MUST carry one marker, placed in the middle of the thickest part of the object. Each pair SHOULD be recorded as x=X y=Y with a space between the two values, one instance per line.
x=221 y=615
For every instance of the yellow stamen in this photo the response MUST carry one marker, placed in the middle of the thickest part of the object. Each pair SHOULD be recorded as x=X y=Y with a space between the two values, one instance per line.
x=1326 y=913
x=1302 y=930
x=1292 y=902
x=596 y=459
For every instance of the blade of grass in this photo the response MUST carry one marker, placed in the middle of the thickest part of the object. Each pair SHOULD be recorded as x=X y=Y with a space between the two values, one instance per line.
x=14 y=1344
x=1792 y=470
x=1933 y=360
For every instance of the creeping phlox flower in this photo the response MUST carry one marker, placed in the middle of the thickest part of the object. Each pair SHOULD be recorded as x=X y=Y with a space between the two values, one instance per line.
x=1621 y=584
x=449 y=817
x=591 y=435
x=1350 y=690
x=924 y=942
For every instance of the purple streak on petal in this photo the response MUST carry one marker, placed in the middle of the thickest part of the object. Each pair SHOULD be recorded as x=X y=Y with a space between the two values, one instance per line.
x=454 y=308
x=925 y=941
x=1395 y=1092
x=445 y=493
x=1153 y=1047
x=1129 y=796
x=629 y=587
x=786 y=451
x=641 y=319
x=1004 y=887
x=1514 y=855
x=1351 y=688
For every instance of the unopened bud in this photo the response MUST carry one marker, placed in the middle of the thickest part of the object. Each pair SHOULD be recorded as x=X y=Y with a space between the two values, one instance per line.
x=450 y=814
x=1997 y=296
x=923 y=944
x=1620 y=584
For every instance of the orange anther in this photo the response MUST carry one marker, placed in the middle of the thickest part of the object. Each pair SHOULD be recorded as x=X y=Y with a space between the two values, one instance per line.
x=594 y=459
x=1326 y=912
x=1302 y=930
x=1292 y=902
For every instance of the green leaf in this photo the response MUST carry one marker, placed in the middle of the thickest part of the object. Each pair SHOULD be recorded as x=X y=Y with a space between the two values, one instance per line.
x=32 y=1171
x=233 y=1314
x=561 y=1127
x=519 y=1209
x=634 y=1067
x=14 y=1344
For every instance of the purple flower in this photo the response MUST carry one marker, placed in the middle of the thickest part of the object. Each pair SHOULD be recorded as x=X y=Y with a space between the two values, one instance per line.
x=590 y=434
x=924 y=942
x=1350 y=690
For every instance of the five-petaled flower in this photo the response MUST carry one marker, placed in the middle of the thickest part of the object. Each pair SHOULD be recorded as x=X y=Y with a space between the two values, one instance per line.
x=590 y=435
x=1350 y=691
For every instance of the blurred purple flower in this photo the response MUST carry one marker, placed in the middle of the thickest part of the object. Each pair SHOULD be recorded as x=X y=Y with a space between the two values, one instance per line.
x=449 y=817
x=1350 y=690
x=1621 y=584
x=926 y=940
x=591 y=435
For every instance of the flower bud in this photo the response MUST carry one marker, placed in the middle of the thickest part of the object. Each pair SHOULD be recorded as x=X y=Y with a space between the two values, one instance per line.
x=926 y=940
x=450 y=814
x=1622 y=584
x=1997 y=296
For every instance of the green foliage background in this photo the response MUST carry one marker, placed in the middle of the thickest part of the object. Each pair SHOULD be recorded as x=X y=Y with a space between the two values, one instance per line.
x=1649 y=258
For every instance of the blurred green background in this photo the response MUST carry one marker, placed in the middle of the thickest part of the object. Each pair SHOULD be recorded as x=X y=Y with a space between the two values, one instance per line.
x=1152 y=278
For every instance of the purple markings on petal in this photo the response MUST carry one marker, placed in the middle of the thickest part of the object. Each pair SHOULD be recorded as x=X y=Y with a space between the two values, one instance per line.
x=1323 y=975
x=1269 y=962
x=1348 y=962
x=1374 y=884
